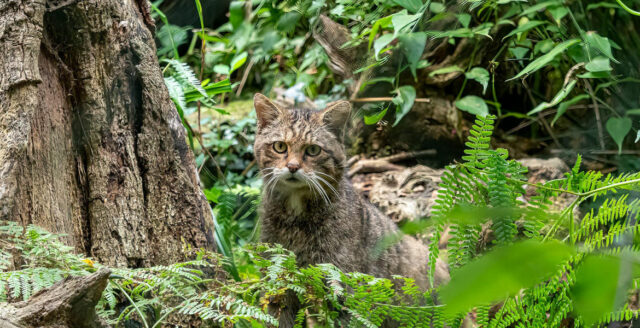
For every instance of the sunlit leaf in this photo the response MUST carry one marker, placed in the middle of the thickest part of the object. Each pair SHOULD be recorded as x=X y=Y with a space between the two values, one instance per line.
x=238 y=61
x=375 y=118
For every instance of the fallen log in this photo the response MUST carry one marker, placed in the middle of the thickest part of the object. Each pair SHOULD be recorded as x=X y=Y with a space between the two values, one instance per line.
x=69 y=303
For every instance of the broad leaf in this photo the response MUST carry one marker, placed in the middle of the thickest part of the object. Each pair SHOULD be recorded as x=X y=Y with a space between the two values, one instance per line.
x=238 y=61
x=598 y=64
x=474 y=105
x=402 y=20
x=375 y=118
x=618 y=128
x=410 y=5
x=601 y=44
x=406 y=95
x=479 y=75
x=602 y=284
x=503 y=272
x=545 y=59
x=412 y=46
x=381 y=43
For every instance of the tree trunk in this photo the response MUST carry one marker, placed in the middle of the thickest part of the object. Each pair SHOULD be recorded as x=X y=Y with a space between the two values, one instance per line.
x=90 y=144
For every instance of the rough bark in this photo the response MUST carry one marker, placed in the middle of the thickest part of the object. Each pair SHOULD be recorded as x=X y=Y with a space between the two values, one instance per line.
x=69 y=303
x=90 y=143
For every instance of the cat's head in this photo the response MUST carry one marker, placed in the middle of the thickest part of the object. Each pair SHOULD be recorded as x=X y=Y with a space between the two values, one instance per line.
x=300 y=150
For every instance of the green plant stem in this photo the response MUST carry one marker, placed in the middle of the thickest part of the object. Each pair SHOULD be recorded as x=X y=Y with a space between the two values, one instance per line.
x=135 y=306
x=627 y=9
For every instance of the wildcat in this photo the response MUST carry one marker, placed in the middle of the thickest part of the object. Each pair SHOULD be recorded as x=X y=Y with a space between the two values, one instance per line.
x=310 y=207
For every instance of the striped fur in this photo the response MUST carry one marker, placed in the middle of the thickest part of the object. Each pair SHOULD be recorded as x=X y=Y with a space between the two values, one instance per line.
x=341 y=228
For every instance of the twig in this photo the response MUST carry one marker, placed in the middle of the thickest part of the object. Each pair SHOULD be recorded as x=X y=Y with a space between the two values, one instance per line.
x=596 y=109
x=246 y=170
x=540 y=116
x=244 y=77
x=570 y=72
x=408 y=155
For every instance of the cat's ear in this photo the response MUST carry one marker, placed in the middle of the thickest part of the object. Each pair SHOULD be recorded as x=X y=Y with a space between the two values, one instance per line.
x=265 y=109
x=336 y=116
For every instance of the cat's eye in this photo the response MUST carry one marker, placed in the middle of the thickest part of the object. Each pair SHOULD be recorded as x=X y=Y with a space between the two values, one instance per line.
x=313 y=150
x=280 y=147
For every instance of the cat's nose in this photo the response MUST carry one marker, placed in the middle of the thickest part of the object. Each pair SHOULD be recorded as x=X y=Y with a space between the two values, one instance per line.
x=293 y=167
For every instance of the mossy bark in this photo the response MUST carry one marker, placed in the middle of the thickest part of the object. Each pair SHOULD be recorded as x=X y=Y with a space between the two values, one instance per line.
x=90 y=144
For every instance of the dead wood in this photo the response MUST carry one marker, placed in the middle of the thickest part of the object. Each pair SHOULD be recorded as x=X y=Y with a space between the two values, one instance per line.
x=69 y=303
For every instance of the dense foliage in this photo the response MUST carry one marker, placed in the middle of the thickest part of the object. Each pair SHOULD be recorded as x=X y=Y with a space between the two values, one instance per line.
x=559 y=254
x=565 y=271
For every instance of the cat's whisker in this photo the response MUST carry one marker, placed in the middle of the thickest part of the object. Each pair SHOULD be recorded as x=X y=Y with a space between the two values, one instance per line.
x=313 y=179
x=321 y=179
x=328 y=176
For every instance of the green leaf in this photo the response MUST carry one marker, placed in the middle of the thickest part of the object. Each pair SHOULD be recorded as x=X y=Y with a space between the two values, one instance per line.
x=601 y=287
x=618 y=128
x=236 y=13
x=238 y=61
x=381 y=43
x=437 y=7
x=543 y=46
x=558 y=12
x=524 y=27
x=503 y=272
x=375 y=118
x=633 y=111
x=479 y=75
x=637 y=137
x=221 y=69
x=539 y=6
x=598 y=64
x=556 y=99
x=410 y=5
x=288 y=21
x=412 y=45
x=599 y=43
x=545 y=59
x=562 y=108
x=464 y=19
x=380 y=23
x=406 y=95
x=445 y=70
x=594 y=75
x=474 y=105
x=401 y=21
